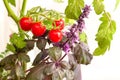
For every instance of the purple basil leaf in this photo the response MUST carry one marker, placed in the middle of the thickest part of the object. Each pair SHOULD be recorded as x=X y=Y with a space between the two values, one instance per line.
x=30 y=44
x=77 y=73
x=40 y=57
x=81 y=53
x=36 y=73
x=41 y=43
x=69 y=74
x=72 y=61
x=55 y=53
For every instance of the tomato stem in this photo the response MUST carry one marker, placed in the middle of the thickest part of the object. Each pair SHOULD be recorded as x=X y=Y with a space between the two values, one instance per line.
x=10 y=11
x=22 y=12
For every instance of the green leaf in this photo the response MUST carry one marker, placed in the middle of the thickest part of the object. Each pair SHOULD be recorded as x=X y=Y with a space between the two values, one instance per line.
x=117 y=3
x=73 y=9
x=98 y=6
x=59 y=1
x=48 y=24
x=83 y=37
x=11 y=48
x=12 y=2
x=55 y=53
x=105 y=34
x=18 y=41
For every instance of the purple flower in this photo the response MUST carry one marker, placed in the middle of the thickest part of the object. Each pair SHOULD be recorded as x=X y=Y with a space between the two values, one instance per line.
x=81 y=22
x=66 y=48
x=73 y=34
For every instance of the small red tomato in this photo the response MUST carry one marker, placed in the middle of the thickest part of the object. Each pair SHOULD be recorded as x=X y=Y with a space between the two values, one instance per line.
x=55 y=35
x=59 y=24
x=38 y=29
x=25 y=23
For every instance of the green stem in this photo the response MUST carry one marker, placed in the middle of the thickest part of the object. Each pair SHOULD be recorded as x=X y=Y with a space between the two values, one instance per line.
x=10 y=11
x=22 y=13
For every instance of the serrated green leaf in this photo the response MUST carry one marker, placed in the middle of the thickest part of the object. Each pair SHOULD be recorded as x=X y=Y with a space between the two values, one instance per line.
x=99 y=51
x=12 y=2
x=98 y=6
x=105 y=34
x=83 y=37
x=55 y=53
x=11 y=48
x=18 y=41
x=48 y=24
x=73 y=9
x=117 y=3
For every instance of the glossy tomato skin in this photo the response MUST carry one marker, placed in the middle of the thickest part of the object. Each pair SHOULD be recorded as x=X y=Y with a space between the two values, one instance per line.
x=38 y=29
x=25 y=23
x=55 y=35
x=59 y=24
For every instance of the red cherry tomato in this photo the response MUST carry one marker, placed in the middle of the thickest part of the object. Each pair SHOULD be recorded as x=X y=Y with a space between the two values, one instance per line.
x=38 y=29
x=55 y=35
x=59 y=24
x=25 y=23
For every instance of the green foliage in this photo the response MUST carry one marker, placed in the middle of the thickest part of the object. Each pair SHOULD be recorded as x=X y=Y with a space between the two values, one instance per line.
x=83 y=37
x=11 y=48
x=98 y=6
x=73 y=9
x=105 y=34
x=59 y=1
x=117 y=3
x=12 y=2
x=18 y=41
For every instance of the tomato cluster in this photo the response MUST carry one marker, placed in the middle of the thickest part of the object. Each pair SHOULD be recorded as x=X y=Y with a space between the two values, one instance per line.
x=38 y=29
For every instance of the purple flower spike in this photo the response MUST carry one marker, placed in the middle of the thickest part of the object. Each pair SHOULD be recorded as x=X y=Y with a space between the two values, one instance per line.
x=66 y=48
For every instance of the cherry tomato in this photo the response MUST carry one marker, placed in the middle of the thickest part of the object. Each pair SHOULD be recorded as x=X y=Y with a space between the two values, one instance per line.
x=25 y=23
x=55 y=35
x=38 y=29
x=59 y=24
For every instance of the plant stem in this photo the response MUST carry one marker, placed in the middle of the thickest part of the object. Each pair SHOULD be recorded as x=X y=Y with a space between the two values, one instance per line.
x=62 y=57
x=22 y=12
x=10 y=11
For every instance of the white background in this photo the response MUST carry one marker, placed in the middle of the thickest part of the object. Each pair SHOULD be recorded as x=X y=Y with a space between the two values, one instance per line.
x=106 y=67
